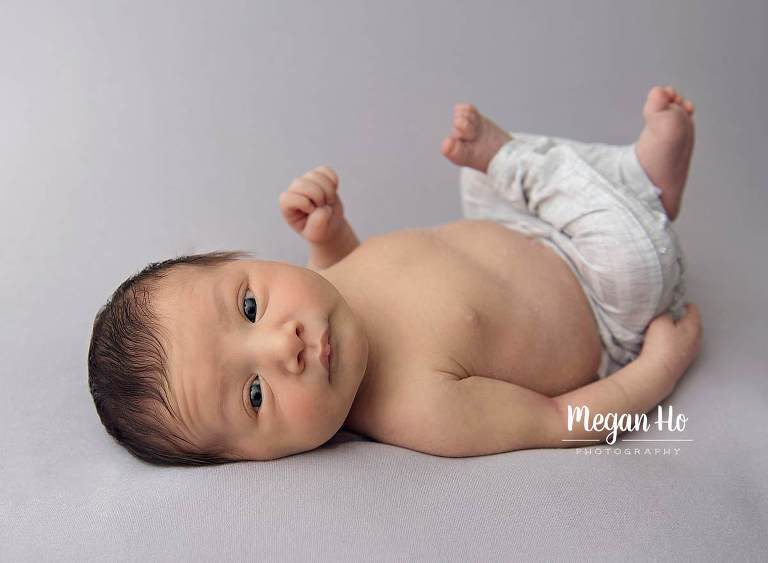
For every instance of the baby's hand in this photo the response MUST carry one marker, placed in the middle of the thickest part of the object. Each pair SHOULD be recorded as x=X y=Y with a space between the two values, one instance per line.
x=311 y=206
x=674 y=345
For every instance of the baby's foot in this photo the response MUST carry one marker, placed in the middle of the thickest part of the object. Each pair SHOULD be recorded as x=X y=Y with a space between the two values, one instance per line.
x=475 y=139
x=666 y=143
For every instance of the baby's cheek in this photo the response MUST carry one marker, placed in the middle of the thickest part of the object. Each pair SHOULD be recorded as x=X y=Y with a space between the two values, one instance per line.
x=311 y=412
x=305 y=407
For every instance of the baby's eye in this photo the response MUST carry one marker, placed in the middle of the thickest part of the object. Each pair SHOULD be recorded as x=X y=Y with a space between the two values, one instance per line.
x=250 y=307
x=256 y=393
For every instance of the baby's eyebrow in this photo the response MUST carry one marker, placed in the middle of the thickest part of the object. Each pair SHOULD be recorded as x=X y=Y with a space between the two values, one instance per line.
x=222 y=393
x=220 y=301
x=224 y=294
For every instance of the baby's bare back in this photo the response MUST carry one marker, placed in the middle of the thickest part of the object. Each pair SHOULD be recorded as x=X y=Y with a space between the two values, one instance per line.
x=471 y=298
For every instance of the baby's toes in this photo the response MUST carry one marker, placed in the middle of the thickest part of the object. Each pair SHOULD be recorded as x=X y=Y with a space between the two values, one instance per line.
x=456 y=150
x=658 y=99
x=464 y=109
x=465 y=122
x=676 y=98
x=679 y=100
x=683 y=103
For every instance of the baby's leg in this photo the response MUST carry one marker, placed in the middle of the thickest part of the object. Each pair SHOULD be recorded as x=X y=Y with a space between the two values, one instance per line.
x=616 y=239
x=660 y=157
x=621 y=247
x=618 y=164
x=615 y=162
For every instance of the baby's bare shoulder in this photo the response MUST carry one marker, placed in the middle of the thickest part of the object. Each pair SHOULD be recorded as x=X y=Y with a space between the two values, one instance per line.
x=386 y=254
x=392 y=403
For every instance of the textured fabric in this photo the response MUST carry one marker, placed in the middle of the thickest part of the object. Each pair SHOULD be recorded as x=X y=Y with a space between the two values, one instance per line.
x=594 y=205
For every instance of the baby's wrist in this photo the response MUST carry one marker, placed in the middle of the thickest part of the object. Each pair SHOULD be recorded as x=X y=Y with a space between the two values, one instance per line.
x=338 y=239
x=327 y=253
x=660 y=368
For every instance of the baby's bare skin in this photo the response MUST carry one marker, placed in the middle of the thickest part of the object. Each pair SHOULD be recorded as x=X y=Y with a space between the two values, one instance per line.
x=464 y=339
x=468 y=298
x=477 y=338
x=473 y=298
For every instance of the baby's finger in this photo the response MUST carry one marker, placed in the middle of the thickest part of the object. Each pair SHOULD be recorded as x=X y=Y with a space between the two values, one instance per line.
x=309 y=188
x=691 y=322
x=690 y=315
x=330 y=172
x=662 y=322
x=295 y=200
x=324 y=181
x=317 y=223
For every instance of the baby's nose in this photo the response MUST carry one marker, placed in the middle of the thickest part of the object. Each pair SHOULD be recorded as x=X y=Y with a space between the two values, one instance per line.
x=285 y=347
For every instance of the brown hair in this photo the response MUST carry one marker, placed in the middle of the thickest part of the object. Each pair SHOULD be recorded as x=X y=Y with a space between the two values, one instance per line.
x=127 y=368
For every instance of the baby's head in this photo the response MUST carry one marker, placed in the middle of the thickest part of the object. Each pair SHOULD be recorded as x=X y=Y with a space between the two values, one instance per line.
x=214 y=358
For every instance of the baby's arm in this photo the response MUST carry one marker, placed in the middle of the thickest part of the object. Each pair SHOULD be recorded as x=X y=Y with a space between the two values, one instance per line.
x=326 y=254
x=312 y=207
x=635 y=389
x=668 y=350
x=480 y=415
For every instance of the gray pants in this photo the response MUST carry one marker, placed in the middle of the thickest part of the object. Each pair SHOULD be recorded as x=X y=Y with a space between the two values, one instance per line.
x=593 y=205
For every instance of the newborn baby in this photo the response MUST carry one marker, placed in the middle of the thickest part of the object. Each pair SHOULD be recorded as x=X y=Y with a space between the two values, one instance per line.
x=563 y=285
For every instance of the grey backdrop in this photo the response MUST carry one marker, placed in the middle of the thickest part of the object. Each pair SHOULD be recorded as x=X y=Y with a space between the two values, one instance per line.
x=136 y=131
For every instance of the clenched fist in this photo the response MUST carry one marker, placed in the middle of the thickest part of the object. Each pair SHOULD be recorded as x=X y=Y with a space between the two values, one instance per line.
x=674 y=345
x=312 y=207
